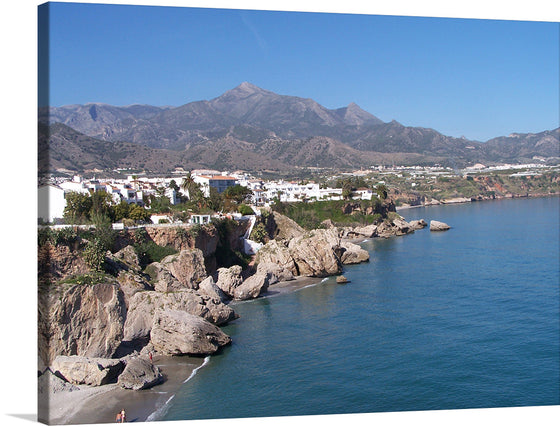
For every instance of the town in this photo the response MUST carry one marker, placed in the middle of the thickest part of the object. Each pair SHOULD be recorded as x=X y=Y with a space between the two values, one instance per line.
x=159 y=199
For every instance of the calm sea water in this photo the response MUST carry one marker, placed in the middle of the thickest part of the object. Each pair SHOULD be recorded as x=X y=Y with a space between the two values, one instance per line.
x=467 y=318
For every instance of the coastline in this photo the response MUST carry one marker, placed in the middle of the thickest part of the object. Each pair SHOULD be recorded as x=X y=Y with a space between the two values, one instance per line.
x=93 y=405
x=473 y=200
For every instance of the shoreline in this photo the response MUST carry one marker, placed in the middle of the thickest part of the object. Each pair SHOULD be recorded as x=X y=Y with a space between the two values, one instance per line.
x=94 y=405
x=512 y=197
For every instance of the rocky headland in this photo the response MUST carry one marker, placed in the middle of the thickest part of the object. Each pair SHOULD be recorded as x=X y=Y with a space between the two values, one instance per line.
x=105 y=328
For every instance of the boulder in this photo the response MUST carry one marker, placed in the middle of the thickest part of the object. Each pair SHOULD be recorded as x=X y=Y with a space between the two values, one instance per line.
x=285 y=228
x=187 y=267
x=418 y=224
x=130 y=283
x=85 y=370
x=438 y=226
x=327 y=223
x=177 y=333
x=162 y=278
x=229 y=279
x=395 y=227
x=252 y=287
x=208 y=287
x=84 y=321
x=341 y=280
x=353 y=254
x=366 y=231
x=276 y=253
x=140 y=374
x=128 y=257
x=184 y=270
x=313 y=253
x=143 y=306
x=275 y=272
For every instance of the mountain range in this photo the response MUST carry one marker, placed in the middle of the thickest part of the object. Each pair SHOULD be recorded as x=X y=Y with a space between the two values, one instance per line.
x=254 y=129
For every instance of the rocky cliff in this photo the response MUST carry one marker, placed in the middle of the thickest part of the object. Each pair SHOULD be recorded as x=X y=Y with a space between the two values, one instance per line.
x=171 y=306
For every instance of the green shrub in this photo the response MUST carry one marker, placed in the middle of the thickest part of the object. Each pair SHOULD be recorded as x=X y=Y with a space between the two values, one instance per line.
x=88 y=279
x=44 y=236
x=149 y=252
x=259 y=233
x=94 y=254
x=245 y=210
x=63 y=236
x=140 y=235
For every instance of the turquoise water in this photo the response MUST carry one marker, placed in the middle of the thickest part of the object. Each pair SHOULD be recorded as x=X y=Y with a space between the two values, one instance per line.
x=467 y=318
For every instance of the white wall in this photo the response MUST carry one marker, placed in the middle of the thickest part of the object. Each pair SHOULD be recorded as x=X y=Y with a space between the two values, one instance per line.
x=51 y=203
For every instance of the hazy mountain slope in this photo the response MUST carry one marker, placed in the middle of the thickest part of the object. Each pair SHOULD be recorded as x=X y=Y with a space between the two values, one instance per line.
x=95 y=119
x=61 y=147
x=249 y=127
x=523 y=146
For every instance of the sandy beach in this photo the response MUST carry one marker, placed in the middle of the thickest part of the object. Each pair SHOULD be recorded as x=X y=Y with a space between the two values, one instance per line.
x=95 y=405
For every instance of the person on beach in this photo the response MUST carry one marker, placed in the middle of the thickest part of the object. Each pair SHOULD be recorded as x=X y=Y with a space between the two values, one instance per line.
x=118 y=419
x=150 y=354
x=123 y=416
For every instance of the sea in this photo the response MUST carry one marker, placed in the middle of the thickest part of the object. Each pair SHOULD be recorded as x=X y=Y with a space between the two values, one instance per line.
x=466 y=318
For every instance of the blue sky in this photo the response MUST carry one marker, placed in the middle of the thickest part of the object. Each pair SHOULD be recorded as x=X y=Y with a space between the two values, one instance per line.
x=472 y=78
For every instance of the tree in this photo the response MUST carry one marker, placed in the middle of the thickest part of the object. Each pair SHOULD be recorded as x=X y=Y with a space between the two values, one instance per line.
x=173 y=185
x=193 y=191
x=259 y=233
x=78 y=207
x=237 y=193
x=102 y=204
x=160 y=204
x=138 y=213
x=347 y=190
x=94 y=254
x=381 y=190
x=122 y=210
x=215 y=201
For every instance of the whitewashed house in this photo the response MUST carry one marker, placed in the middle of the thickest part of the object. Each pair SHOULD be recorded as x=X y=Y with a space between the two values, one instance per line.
x=76 y=186
x=200 y=219
x=51 y=203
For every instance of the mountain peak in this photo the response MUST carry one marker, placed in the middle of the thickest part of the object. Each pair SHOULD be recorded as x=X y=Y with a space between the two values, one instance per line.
x=247 y=87
x=353 y=114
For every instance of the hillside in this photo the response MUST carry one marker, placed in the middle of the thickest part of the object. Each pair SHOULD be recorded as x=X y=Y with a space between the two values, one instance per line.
x=252 y=128
x=63 y=148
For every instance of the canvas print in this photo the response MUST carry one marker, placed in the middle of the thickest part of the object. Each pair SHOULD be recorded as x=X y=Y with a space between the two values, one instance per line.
x=248 y=213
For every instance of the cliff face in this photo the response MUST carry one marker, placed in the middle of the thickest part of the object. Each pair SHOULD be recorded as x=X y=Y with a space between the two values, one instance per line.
x=83 y=312
x=85 y=320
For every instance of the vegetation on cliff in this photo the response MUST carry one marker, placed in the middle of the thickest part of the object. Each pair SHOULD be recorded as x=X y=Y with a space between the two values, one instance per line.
x=340 y=212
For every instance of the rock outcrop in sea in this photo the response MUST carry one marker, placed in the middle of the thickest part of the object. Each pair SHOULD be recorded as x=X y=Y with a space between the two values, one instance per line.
x=438 y=226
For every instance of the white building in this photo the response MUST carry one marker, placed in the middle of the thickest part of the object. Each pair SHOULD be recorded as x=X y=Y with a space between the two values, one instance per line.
x=51 y=203
x=76 y=185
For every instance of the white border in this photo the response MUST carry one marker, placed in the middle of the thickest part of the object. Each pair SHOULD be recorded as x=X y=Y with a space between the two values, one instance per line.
x=18 y=24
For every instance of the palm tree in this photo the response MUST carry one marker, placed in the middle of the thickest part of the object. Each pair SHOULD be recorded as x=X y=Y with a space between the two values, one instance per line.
x=192 y=190
x=187 y=184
